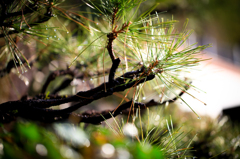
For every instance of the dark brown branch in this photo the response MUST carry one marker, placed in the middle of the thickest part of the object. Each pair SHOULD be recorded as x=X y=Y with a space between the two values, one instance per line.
x=46 y=103
x=115 y=10
x=102 y=94
x=111 y=37
x=94 y=117
x=50 y=96
x=35 y=108
x=113 y=69
x=114 y=34
x=87 y=117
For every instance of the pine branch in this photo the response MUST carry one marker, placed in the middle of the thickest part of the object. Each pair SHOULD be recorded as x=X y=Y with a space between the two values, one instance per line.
x=162 y=58
x=11 y=65
x=94 y=117
x=36 y=108
x=9 y=19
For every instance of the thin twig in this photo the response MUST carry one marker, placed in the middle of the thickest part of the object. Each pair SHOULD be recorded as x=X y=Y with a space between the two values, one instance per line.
x=55 y=74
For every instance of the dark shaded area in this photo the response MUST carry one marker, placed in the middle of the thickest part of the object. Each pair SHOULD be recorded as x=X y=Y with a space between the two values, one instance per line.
x=9 y=17
x=233 y=114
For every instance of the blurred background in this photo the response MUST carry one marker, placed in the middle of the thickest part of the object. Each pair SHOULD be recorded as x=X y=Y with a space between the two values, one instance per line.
x=216 y=22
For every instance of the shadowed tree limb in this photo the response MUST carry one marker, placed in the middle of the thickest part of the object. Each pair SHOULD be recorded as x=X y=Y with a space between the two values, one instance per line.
x=98 y=117
x=92 y=117
x=95 y=117
x=36 y=108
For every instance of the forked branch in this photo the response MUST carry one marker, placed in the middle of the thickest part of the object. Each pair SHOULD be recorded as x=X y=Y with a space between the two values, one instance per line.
x=39 y=109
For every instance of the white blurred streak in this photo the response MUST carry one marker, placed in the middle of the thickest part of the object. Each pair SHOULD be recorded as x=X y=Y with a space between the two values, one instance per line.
x=1 y=149
x=220 y=81
x=73 y=134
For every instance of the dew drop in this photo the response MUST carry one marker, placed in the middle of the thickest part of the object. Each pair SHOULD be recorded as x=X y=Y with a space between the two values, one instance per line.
x=199 y=118
x=67 y=32
x=47 y=38
x=83 y=81
x=55 y=36
x=46 y=28
x=58 y=38
x=54 y=29
x=144 y=98
x=91 y=79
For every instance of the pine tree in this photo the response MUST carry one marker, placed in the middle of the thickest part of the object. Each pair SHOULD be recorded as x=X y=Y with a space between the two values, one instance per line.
x=146 y=54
